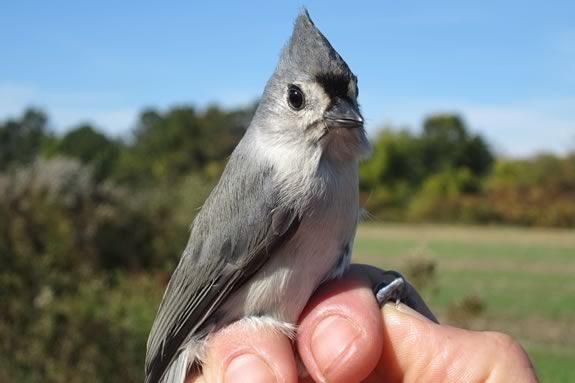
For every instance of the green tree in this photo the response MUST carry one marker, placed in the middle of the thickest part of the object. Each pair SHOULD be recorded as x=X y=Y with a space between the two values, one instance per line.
x=169 y=145
x=444 y=159
x=396 y=158
x=447 y=144
x=21 y=139
x=91 y=147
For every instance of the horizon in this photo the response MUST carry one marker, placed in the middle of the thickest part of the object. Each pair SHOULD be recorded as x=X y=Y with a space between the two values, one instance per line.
x=506 y=69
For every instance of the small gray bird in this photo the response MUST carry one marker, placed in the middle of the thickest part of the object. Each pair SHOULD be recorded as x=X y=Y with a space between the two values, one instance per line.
x=281 y=219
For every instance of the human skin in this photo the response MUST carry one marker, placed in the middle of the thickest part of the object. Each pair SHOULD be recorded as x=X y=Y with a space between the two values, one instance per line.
x=344 y=336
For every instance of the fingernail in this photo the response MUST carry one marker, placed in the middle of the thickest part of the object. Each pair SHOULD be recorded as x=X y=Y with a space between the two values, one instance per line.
x=332 y=341
x=405 y=309
x=249 y=368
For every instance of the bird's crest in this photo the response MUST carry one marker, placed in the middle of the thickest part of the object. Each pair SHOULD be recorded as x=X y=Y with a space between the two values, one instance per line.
x=309 y=51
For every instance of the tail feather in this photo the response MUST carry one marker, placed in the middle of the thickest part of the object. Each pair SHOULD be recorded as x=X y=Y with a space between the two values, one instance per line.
x=178 y=369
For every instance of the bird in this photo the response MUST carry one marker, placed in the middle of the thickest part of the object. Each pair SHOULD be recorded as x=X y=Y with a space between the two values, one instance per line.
x=281 y=219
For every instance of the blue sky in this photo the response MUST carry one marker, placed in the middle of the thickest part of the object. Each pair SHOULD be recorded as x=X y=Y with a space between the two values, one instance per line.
x=507 y=66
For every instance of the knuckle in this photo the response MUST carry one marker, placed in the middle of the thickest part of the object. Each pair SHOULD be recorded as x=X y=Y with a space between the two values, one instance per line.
x=504 y=343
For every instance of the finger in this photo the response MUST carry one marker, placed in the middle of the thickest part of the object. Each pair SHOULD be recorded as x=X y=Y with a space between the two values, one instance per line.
x=248 y=352
x=340 y=334
x=417 y=349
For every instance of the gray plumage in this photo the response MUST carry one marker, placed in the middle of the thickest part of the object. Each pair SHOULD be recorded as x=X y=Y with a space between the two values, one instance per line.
x=281 y=219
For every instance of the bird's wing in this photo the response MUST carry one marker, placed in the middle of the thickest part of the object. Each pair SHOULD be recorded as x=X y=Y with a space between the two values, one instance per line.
x=239 y=227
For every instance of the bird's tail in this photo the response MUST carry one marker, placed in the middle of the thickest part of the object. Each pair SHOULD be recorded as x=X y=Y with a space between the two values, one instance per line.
x=178 y=369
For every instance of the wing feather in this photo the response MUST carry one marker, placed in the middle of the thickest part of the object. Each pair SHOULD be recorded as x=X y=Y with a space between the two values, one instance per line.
x=237 y=230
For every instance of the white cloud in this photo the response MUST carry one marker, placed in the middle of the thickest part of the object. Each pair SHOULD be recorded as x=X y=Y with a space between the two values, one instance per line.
x=67 y=109
x=13 y=99
x=115 y=122
x=523 y=130
x=518 y=129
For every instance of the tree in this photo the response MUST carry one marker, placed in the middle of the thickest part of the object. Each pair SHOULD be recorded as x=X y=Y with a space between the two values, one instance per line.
x=444 y=159
x=21 y=139
x=396 y=158
x=169 y=145
x=91 y=147
x=447 y=144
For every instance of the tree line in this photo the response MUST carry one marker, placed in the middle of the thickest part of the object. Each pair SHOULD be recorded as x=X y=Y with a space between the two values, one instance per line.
x=443 y=172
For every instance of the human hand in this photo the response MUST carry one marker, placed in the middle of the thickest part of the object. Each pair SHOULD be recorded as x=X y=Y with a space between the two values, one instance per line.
x=343 y=336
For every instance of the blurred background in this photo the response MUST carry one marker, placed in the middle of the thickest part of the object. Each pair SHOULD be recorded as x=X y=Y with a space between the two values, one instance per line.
x=116 y=120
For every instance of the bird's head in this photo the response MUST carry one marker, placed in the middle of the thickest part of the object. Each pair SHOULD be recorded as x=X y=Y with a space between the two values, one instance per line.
x=311 y=99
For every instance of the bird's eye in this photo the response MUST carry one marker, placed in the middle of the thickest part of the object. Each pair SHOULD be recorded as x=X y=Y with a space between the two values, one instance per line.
x=295 y=97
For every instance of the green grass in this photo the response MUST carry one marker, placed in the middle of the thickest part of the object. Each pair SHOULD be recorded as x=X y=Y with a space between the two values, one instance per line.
x=525 y=278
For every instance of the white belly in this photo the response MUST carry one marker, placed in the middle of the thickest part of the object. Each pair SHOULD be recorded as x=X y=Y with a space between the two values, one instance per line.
x=282 y=287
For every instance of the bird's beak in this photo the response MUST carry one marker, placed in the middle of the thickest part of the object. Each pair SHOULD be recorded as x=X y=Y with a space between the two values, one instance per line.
x=343 y=114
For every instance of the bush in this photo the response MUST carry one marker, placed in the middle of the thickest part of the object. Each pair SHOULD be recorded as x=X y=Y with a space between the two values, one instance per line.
x=77 y=255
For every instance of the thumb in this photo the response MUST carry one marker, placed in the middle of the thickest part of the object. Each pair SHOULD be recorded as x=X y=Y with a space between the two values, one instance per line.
x=419 y=350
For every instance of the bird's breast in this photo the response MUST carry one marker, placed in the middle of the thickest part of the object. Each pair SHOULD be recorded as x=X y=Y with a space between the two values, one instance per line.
x=322 y=243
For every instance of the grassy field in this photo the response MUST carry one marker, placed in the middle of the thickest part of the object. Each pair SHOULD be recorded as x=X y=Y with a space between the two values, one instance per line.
x=524 y=277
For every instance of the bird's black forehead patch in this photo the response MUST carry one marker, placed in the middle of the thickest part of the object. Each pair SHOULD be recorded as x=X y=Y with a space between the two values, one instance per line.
x=335 y=85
